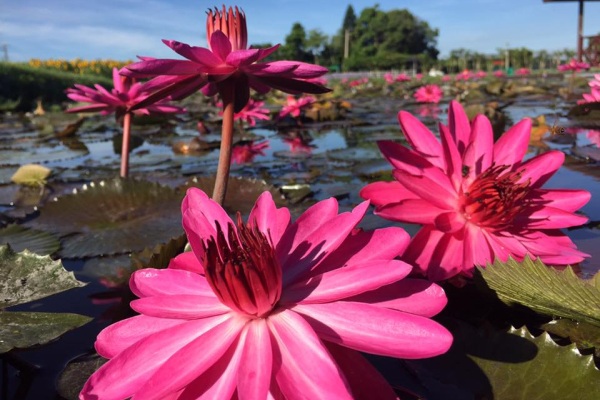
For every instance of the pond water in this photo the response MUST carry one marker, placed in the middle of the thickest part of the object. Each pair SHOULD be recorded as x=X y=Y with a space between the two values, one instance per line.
x=307 y=163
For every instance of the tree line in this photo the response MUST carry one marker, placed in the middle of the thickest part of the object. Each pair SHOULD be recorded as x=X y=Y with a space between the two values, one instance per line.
x=398 y=40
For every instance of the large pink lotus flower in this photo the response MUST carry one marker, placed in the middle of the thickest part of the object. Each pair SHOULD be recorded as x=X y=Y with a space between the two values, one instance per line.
x=294 y=105
x=476 y=199
x=429 y=94
x=126 y=94
x=574 y=65
x=228 y=66
x=251 y=112
x=270 y=309
x=246 y=152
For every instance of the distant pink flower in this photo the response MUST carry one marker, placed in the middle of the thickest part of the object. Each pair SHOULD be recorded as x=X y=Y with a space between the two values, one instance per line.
x=270 y=309
x=480 y=74
x=119 y=100
x=446 y=78
x=294 y=106
x=476 y=199
x=523 y=72
x=245 y=152
x=429 y=94
x=389 y=78
x=419 y=76
x=252 y=111
x=592 y=97
x=574 y=65
x=358 y=82
x=465 y=75
x=228 y=66
x=594 y=136
x=499 y=73
x=595 y=82
x=402 y=78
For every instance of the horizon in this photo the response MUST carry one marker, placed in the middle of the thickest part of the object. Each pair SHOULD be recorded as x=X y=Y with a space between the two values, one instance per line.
x=70 y=29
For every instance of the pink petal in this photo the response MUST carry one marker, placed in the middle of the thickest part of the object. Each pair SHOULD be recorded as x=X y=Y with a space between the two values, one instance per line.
x=383 y=193
x=199 y=55
x=319 y=242
x=141 y=360
x=270 y=220
x=554 y=218
x=254 y=375
x=452 y=157
x=364 y=380
x=191 y=360
x=428 y=188
x=421 y=138
x=425 y=251
x=117 y=337
x=479 y=152
x=302 y=364
x=90 y=108
x=345 y=282
x=286 y=85
x=449 y=221
x=414 y=211
x=512 y=145
x=414 y=296
x=459 y=126
x=405 y=159
x=541 y=168
x=158 y=282
x=240 y=58
x=377 y=330
x=165 y=67
x=565 y=199
x=188 y=262
x=117 y=82
x=220 y=44
x=477 y=250
x=180 y=306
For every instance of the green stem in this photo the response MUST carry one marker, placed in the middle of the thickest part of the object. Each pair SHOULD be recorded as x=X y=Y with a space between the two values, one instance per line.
x=228 y=97
x=125 y=145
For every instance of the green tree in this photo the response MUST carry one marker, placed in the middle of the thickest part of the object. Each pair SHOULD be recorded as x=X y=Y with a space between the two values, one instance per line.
x=315 y=43
x=295 y=47
x=349 y=19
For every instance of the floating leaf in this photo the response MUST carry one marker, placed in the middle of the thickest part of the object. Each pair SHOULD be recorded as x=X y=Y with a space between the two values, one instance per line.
x=161 y=255
x=31 y=175
x=484 y=364
x=26 y=329
x=20 y=238
x=26 y=276
x=583 y=334
x=112 y=217
x=76 y=373
x=545 y=290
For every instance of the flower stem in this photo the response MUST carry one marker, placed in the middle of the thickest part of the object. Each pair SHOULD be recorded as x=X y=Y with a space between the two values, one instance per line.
x=125 y=145
x=228 y=97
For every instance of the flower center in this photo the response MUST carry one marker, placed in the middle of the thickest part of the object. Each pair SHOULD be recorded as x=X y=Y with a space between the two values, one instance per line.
x=231 y=23
x=243 y=269
x=495 y=198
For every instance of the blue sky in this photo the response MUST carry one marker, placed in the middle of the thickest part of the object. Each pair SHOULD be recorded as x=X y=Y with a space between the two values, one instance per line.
x=122 y=29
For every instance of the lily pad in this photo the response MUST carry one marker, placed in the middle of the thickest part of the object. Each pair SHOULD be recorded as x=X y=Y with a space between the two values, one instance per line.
x=545 y=290
x=20 y=238
x=112 y=217
x=26 y=329
x=76 y=373
x=26 y=276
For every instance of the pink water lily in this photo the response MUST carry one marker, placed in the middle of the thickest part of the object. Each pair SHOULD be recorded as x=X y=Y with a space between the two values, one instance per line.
x=429 y=94
x=293 y=105
x=477 y=200
x=574 y=65
x=270 y=309
x=125 y=94
x=245 y=152
x=228 y=65
x=252 y=111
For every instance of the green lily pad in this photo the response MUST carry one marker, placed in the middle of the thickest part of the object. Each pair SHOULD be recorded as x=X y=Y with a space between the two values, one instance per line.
x=20 y=238
x=583 y=334
x=112 y=217
x=160 y=255
x=26 y=329
x=76 y=373
x=545 y=290
x=26 y=276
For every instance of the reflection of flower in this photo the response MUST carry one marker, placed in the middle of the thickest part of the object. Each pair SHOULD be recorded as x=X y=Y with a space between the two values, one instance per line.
x=245 y=152
x=429 y=94
x=594 y=137
x=294 y=106
x=125 y=94
x=228 y=65
x=299 y=144
x=475 y=198
x=270 y=309
x=574 y=65
x=251 y=112
x=428 y=110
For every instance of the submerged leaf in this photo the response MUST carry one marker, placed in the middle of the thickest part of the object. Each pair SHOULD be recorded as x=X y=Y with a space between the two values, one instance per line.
x=20 y=238
x=31 y=175
x=26 y=329
x=26 y=276
x=545 y=290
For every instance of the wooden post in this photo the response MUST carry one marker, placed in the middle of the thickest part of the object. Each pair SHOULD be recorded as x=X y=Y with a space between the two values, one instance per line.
x=580 y=33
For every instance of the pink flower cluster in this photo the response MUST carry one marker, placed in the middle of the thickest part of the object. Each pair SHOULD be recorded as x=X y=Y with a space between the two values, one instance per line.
x=429 y=94
x=574 y=65
x=295 y=105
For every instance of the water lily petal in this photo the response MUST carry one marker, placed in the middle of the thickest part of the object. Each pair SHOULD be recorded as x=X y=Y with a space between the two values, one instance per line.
x=162 y=67
x=254 y=375
x=377 y=330
x=541 y=168
x=220 y=45
x=345 y=282
x=511 y=147
x=241 y=58
x=302 y=364
x=414 y=211
x=187 y=261
x=565 y=199
x=459 y=126
x=421 y=138
x=554 y=218
x=158 y=282
x=382 y=193
x=269 y=219
x=479 y=153
x=429 y=189
x=200 y=55
x=180 y=306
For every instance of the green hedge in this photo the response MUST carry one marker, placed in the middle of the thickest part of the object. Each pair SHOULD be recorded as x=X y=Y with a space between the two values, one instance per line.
x=22 y=85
